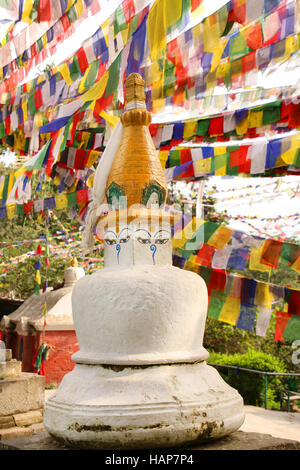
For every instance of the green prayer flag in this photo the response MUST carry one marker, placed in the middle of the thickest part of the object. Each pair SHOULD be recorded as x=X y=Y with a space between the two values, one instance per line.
x=174 y=159
x=37 y=289
x=31 y=105
x=271 y=113
x=202 y=127
x=5 y=187
x=75 y=69
x=72 y=199
x=132 y=26
x=209 y=230
x=292 y=330
x=238 y=46
x=72 y=15
x=120 y=22
x=92 y=74
x=113 y=78
x=216 y=302
x=20 y=209
x=2 y=130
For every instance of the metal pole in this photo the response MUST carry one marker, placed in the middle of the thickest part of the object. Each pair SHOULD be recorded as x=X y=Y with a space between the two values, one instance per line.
x=266 y=392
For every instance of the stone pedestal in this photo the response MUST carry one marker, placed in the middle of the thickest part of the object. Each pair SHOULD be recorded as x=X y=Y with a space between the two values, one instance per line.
x=21 y=396
x=141 y=379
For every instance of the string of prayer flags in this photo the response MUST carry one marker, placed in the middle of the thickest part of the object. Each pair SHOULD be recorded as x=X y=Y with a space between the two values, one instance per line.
x=229 y=160
x=215 y=245
x=246 y=303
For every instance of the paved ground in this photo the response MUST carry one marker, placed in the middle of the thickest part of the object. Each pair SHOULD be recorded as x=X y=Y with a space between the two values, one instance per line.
x=276 y=423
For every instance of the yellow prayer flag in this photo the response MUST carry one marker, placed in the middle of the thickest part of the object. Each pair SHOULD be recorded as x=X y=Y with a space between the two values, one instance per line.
x=94 y=154
x=218 y=51
x=230 y=310
x=263 y=297
x=202 y=167
x=221 y=171
x=111 y=120
x=288 y=156
x=220 y=238
x=11 y=182
x=11 y=211
x=157 y=29
x=79 y=8
x=189 y=129
x=255 y=119
x=27 y=8
x=163 y=157
x=220 y=150
x=61 y=201
x=182 y=236
x=211 y=33
x=296 y=265
x=38 y=276
x=65 y=72
x=242 y=127
x=173 y=12
x=44 y=309
x=254 y=261
x=97 y=90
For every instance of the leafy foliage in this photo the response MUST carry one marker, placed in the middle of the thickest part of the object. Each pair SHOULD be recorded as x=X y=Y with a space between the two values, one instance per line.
x=250 y=385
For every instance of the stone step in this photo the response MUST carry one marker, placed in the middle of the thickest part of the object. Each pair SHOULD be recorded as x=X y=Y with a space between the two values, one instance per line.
x=31 y=417
x=21 y=419
x=17 y=431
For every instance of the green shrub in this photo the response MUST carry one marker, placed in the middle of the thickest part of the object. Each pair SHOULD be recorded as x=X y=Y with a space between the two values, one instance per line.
x=251 y=386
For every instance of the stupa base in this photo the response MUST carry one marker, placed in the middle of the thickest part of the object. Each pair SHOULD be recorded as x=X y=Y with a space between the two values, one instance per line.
x=118 y=408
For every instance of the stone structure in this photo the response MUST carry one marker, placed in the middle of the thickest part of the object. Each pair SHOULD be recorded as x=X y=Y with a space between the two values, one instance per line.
x=21 y=396
x=140 y=380
x=23 y=330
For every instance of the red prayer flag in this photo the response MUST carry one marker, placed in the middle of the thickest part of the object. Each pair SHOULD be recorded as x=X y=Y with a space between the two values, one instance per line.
x=254 y=36
x=128 y=9
x=38 y=100
x=217 y=281
x=271 y=253
x=39 y=250
x=294 y=303
x=82 y=60
x=205 y=255
x=294 y=118
x=216 y=126
x=195 y=4
x=28 y=206
x=44 y=11
x=82 y=196
x=282 y=319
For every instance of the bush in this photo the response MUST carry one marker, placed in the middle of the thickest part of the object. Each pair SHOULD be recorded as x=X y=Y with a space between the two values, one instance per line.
x=251 y=386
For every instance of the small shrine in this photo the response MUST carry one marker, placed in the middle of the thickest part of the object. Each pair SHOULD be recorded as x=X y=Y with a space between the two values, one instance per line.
x=26 y=329
x=141 y=379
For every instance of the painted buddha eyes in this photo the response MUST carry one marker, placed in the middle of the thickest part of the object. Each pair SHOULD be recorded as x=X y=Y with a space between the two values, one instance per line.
x=114 y=239
x=110 y=242
x=125 y=239
x=161 y=241
x=144 y=241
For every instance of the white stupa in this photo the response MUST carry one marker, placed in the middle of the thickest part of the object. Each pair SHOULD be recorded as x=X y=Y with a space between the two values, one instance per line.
x=140 y=379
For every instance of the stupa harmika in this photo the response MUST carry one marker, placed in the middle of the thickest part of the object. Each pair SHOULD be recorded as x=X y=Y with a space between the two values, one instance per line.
x=140 y=379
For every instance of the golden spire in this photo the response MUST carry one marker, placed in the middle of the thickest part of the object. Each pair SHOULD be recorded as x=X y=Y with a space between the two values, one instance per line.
x=136 y=172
